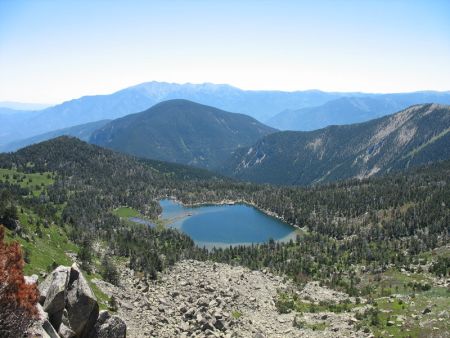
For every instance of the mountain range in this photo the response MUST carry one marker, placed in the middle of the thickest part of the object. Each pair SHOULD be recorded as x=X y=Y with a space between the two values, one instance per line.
x=351 y=109
x=260 y=104
x=82 y=132
x=23 y=105
x=237 y=145
x=417 y=135
x=181 y=131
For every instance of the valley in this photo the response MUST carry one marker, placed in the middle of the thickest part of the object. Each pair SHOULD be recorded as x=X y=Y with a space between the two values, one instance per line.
x=224 y=169
x=368 y=238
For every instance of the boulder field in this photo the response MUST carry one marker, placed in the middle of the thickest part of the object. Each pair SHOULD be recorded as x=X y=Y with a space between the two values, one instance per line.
x=206 y=299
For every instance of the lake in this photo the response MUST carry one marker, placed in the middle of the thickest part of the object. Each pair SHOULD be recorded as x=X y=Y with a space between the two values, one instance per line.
x=225 y=225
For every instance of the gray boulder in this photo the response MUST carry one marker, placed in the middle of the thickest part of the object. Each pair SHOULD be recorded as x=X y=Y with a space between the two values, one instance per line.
x=109 y=326
x=55 y=294
x=43 y=289
x=42 y=327
x=69 y=309
x=82 y=307
x=92 y=320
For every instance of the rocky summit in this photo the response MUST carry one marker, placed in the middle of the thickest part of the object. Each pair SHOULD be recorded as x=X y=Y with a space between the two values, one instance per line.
x=205 y=299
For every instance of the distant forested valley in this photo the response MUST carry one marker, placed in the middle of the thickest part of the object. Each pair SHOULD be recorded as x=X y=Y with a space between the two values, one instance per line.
x=377 y=223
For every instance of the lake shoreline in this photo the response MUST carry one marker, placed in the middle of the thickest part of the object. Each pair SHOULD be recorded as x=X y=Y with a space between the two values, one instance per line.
x=233 y=202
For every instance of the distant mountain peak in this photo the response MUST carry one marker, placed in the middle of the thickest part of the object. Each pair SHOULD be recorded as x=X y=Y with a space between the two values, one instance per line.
x=181 y=131
x=155 y=87
x=183 y=105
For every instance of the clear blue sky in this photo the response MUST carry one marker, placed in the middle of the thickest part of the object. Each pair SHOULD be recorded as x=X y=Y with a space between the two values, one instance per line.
x=52 y=51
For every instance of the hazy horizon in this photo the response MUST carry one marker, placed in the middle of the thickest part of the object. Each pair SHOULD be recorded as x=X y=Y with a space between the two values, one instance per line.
x=21 y=105
x=56 y=51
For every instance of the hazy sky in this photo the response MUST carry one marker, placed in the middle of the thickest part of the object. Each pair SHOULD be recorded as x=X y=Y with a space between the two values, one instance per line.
x=52 y=51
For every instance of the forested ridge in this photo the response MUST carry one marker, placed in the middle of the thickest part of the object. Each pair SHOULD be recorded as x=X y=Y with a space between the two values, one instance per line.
x=374 y=223
x=415 y=136
x=181 y=131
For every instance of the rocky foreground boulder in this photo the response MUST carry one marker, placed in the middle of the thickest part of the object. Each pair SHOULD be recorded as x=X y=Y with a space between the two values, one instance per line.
x=68 y=308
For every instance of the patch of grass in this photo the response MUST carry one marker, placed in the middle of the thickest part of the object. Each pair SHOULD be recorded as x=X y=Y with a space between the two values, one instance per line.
x=403 y=316
x=126 y=212
x=317 y=326
x=392 y=282
x=102 y=298
x=160 y=224
x=36 y=182
x=290 y=302
x=43 y=246
x=236 y=314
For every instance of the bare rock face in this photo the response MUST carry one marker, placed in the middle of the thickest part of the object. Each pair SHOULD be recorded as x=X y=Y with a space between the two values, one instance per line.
x=43 y=289
x=33 y=279
x=55 y=295
x=82 y=307
x=42 y=327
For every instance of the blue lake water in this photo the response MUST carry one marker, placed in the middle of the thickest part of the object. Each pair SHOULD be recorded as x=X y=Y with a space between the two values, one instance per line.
x=225 y=225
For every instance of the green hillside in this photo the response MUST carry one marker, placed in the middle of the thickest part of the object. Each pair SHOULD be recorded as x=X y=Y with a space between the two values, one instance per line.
x=181 y=131
x=417 y=135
